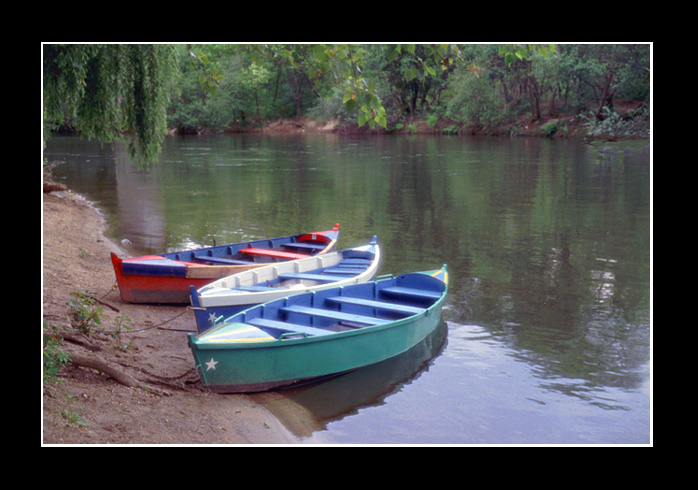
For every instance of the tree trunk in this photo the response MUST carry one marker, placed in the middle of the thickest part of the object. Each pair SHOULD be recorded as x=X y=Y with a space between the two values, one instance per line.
x=606 y=94
x=534 y=98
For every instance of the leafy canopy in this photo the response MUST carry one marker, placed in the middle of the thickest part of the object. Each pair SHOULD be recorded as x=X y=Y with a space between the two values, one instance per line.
x=344 y=63
x=107 y=91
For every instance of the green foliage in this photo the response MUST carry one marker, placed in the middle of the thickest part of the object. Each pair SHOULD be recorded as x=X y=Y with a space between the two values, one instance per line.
x=71 y=413
x=209 y=76
x=429 y=59
x=121 y=322
x=331 y=106
x=54 y=358
x=88 y=317
x=512 y=52
x=549 y=129
x=198 y=102
x=612 y=123
x=86 y=312
x=108 y=91
x=476 y=101
x=341 y=63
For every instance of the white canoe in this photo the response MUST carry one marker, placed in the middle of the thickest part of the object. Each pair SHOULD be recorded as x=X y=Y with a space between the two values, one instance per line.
x=232 y=294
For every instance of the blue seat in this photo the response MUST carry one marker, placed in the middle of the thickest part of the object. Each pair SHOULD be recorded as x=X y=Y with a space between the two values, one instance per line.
x=221 y=260
x=289 y=328
x=311 y=277
x=334 y=315
x=381 y=305
x=400 y=292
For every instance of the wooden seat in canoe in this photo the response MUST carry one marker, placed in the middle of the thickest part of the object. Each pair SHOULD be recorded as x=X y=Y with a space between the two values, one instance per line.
x=277 y=254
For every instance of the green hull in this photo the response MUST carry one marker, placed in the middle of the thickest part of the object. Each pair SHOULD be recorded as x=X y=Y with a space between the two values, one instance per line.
x=261 y=363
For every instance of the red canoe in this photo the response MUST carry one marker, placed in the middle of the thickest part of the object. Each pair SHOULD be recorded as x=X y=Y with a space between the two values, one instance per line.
x=166 y=278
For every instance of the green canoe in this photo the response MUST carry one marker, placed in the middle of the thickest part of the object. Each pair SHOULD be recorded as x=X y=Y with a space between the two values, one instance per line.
x=323 y=333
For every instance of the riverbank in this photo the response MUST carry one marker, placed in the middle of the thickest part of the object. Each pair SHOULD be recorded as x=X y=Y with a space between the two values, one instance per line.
x=135 y=386
x=561 y=125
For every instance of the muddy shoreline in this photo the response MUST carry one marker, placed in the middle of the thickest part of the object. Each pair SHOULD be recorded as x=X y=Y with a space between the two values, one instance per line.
x=166 y=403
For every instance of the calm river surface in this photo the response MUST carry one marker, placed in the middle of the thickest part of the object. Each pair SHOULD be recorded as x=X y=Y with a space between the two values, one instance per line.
x=547 y=333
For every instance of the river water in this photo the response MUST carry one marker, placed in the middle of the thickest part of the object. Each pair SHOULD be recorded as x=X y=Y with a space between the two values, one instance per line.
x=547 y=326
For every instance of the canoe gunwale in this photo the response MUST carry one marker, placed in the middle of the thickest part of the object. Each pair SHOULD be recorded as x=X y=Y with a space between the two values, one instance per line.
x=285 y=339
x=280 y=342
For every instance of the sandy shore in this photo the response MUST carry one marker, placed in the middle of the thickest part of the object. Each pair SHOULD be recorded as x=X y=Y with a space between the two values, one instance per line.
x=150 y=393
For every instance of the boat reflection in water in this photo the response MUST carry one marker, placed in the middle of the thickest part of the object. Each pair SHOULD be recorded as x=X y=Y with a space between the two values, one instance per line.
x=307 y=410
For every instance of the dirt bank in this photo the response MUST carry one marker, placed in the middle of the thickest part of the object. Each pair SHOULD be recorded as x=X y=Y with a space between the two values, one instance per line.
x=559 y=125
x=158 y=398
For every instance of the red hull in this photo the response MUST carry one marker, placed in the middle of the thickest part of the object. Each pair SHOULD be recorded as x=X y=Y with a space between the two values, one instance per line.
x=154 y=289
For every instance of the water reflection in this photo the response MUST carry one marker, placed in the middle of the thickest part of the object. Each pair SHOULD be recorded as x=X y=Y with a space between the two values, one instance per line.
x=481 y=391
x=334 y=399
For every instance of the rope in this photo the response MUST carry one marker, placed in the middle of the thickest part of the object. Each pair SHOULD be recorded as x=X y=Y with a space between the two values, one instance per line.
x=164 y=322
x=115 y=287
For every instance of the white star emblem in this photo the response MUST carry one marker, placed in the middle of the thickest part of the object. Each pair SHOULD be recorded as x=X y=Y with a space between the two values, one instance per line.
x=212 y=317
x=211 y=364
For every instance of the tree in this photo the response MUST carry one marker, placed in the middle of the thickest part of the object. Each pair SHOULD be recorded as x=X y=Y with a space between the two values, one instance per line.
x=610 y=66
x=525 y=53
x=108 y=91
x=344 y=64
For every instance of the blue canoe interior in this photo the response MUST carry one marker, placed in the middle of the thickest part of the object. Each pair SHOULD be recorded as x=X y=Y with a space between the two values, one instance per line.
x=333 y=310
x=244 y=253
